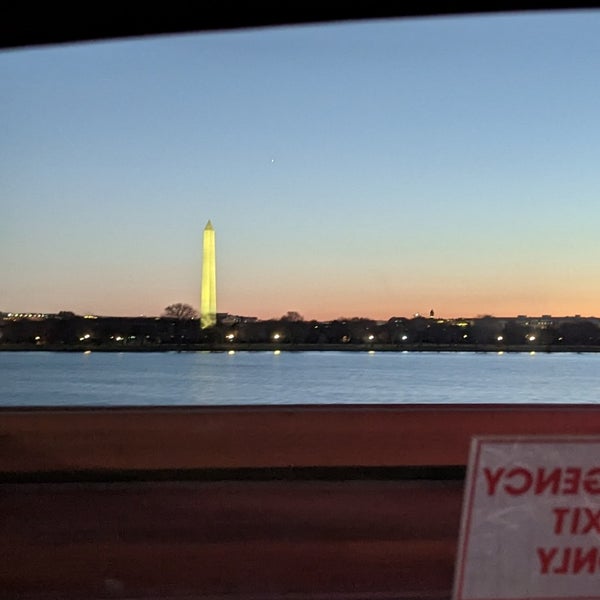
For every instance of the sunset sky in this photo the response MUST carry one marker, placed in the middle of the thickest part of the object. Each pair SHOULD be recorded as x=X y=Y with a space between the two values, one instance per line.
x=371 y=169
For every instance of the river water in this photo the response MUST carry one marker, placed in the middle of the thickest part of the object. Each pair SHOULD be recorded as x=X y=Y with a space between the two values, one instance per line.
x=204 y=378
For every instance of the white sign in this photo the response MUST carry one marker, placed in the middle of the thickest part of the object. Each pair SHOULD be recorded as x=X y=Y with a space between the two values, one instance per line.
x=531 y=520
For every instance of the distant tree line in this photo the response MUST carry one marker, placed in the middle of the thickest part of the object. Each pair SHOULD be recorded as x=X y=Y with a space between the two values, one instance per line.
x=180 y=326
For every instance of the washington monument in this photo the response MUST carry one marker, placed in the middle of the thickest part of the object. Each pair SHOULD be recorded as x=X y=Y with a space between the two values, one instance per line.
x=208 y=294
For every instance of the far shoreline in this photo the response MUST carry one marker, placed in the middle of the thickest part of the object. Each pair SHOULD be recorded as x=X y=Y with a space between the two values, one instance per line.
x=271 y=347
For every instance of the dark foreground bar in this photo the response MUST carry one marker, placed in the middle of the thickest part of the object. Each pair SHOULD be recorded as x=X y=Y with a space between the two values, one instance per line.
x=233 y=538
x=306 y=502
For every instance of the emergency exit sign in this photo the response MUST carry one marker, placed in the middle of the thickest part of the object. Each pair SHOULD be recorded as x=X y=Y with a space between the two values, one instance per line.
x=530 y=525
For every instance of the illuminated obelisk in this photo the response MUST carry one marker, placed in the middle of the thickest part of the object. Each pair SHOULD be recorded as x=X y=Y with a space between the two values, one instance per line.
x=208 y=295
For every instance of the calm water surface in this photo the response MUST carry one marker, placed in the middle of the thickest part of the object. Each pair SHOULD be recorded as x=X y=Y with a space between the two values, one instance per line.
x=203 y=378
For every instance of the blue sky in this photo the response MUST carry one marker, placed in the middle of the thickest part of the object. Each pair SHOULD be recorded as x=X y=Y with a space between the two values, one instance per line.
x=358 y=169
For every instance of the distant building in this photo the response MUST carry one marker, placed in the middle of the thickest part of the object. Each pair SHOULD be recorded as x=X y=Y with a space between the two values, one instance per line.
x=227 y=319
x=208 y=293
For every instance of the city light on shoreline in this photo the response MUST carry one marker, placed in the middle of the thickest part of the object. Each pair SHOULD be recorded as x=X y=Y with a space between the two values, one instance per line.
x=230 y=333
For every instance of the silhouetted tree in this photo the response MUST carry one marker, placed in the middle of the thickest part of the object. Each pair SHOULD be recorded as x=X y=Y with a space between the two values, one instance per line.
x=180 y=311
x=515 y=333
x=182 y=316
x=486 y=330
x=293 y=316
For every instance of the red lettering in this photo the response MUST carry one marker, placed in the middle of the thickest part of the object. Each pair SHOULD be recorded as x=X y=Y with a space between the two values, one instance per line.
x=564 y=567
x=492 y=479
x=571 y=561
x=593 y=523
x=567 y=481
x=559 y=514
x=581 y=560
x=576 y=513
x=546 y=556
x=591 y=482
x=571 y=480
x=544 y=482
x=514 y=490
